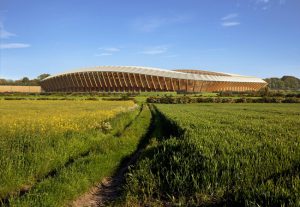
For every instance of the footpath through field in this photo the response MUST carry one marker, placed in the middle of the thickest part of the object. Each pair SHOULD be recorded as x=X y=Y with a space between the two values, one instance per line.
x=76 y=176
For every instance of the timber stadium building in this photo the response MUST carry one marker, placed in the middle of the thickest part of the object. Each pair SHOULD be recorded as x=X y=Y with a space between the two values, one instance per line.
x=137 y=79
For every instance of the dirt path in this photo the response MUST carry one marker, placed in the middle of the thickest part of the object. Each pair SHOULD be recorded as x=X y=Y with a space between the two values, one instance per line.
x=109 y=189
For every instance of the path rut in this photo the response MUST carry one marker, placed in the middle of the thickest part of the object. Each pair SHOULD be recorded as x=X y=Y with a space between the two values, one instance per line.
x=110 y=188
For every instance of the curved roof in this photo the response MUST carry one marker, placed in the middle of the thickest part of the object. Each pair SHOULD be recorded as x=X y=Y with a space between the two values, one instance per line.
x=201 y=72
x=164 y=73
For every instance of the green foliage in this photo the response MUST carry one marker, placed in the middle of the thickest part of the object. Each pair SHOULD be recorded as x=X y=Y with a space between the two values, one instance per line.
x=285 y=83
x=187 y=99
x=25 y=81
x=225 y=155
x=43 y=76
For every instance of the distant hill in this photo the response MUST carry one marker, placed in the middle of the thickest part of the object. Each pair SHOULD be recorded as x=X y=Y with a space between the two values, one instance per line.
x=284 y=83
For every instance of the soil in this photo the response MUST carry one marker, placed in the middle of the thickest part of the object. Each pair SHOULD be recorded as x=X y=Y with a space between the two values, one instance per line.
x=108 y=190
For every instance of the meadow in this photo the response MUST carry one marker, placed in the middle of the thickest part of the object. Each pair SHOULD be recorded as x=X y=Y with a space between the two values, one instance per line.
x=42 y=142
x=196 y=154
x=220 y=155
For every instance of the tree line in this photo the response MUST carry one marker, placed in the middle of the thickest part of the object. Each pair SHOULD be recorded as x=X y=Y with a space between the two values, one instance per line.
x=284 y=83
x=25 y=81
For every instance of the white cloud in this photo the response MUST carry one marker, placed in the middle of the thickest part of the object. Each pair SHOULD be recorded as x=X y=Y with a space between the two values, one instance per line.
x=150 y=24
x=14 y=45
x=230 y=24
x=229 y=16
x=155 y=50
x=230 y=20
x=5 y=34
x=110 y=49
x=103 y=54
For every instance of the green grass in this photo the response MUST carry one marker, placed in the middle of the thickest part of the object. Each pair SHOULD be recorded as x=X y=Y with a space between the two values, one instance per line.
x=38 y=138
x=222 y=154
x=199 y=154
x=77 y=178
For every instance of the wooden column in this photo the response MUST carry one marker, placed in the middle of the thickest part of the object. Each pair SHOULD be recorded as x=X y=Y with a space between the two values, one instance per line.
x=129 y=78
x=101 y=83
x=159 y=83
x=90 y=81
x=95 y=82
x=72 y=81
x=125 y=81
x=148 y=85
x=110 y=81
x=141 y=81
x=165 y=84
x=120 y=83
x=154 y=86
x=114 y=81
x=172 y=85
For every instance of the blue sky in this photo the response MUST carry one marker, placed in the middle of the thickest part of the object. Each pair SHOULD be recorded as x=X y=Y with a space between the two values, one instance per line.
x=248 y=37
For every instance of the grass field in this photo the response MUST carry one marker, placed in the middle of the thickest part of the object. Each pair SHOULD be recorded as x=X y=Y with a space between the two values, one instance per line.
x=221 y=155
x=208 y=154
x=39 y=139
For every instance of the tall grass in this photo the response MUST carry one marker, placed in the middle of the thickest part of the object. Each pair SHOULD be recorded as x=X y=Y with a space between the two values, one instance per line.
x=226 y=155
x=39 y=137
x=102 y=160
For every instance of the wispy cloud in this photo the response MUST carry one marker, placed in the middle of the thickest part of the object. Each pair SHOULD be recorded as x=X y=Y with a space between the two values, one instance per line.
x=107 y=51
x=4 y=34
x=267 y=4
x=230 y=24
x=229 y=16
x=230 y=20
x=14 y=45
x=150 y=24
x=110 y=49
x=103 y=54
x=155 y=50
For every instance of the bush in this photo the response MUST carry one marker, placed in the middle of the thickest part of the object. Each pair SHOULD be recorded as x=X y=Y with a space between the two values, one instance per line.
x=291 y=100
x=92 y=99
x=187 y=99
x=14 y=98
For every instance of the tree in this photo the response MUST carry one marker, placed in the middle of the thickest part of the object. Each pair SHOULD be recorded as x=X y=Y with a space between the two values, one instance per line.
x=25 y=81
x=43 y=76
x=291 y=82
x=284 y=83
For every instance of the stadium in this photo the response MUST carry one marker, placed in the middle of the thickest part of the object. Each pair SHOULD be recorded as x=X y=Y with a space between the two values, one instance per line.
x=138 y=79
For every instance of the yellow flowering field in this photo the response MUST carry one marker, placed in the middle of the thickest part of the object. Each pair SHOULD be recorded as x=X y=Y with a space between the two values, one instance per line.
x=37 y=137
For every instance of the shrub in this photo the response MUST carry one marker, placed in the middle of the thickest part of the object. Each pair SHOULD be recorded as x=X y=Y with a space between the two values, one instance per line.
x=187 y=99
x=291 y=100
x=92 y=99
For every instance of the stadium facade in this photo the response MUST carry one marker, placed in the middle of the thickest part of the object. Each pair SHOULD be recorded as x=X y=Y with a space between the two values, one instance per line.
x=136 y=79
